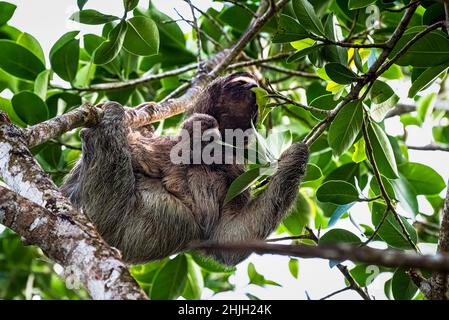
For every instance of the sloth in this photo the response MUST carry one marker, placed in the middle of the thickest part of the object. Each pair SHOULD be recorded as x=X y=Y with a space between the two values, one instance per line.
x=149 y=207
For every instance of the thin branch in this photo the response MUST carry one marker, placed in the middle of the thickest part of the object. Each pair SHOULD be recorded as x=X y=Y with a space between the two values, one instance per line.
x=429 y=147
x=297 y=104
x=335 y=293
x=403 y=7
x=212 y=20
x=241 y=5
x=289 y=71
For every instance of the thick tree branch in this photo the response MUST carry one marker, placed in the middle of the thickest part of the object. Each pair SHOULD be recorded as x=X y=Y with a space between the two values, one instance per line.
x=65 y=234
x=439 y=281
x=388 y=258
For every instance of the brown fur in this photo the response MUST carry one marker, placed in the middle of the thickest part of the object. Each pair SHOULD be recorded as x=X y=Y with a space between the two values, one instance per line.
x=150 y=208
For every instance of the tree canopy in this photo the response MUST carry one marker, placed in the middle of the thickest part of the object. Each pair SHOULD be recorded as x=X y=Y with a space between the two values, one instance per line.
x=333 y=73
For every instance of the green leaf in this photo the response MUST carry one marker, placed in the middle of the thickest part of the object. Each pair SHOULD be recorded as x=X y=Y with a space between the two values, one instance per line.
x=337 y=192
x=110 y=48
x=423 y=179
x=345 y=127
x=29 y=42
x=391 y=231
x=258 y=279
x=357 y=4
x=425 y=105
x=383 y=152
x=6 y=106
x=313 y=172
x=195 y=282
x=289 y=30
x=340 y=73
x=306 y=15
x=64 y=59
x=429 y=51
x=170 y=280
x=392 y=73
x=293 y=266
x=29 y=107
x=383 y=100
x=336 y=236
x=380 y=92
x=6 y=11
x=92 y=17
x=302 y=53
x=142 y=36
x=242 y=183
x=359 y=154
x=81 y=4
x=19 y=61
x=426 y=78
x=406 y=195
x=299 y=215
x=347 y=172
x=211 y=265
x=402 y=286
x=41 y=84
x=130 y=4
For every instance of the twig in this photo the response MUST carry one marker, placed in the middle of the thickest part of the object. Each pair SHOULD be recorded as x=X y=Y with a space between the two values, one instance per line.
x=241 y=5
x=429 y=147
x=335 y=293
x=403 y=7
x=289 y=71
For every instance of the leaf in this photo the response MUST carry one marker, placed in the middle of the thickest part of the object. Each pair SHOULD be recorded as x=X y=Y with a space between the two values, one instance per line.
x=110 y=48
x=29 y=42
x=425 y=106
x=380 y=92
x=336 y=236
x=41 y=84
x=357 y=4
x=299 y=216
x=241 y=183
x=289 y=30
x=19 y=61
x=130 y=4
x=345 y=127
x=305 y=13
x=391 y=231
x=302 y=53
x=337 y=192
x=379 y=111
x=406 y=195
x=427 y=78
x=92 y=17
x=6 y=11
x=340 y=73
x=64 y=60
x=211 y=265
x=6 y=106
x=170 y=280
x=293 y=266
x=142 y=36
x=402 y=286
x=29 y=107
x=258 y=279
x=81 y=4
x=338 y=212
x=195 y=282
x=423 y=179
x=359 y=154
x=429 y=51
x=383 y=152
x=313 y=172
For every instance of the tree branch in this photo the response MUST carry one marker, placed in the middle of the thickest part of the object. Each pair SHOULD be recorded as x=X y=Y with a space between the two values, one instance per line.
x=366 y=255
x=39 y=210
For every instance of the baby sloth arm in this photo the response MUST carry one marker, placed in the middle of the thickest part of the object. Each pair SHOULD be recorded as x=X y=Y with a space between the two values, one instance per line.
x=259 y=218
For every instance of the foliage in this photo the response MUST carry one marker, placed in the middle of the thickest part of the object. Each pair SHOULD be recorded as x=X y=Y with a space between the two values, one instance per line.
x=35 y=87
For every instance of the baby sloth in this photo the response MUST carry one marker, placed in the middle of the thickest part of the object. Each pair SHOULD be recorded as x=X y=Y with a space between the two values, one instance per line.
x=149 y=205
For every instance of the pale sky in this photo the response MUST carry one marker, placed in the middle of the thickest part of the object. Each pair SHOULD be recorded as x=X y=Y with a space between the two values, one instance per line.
x=47 y=20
